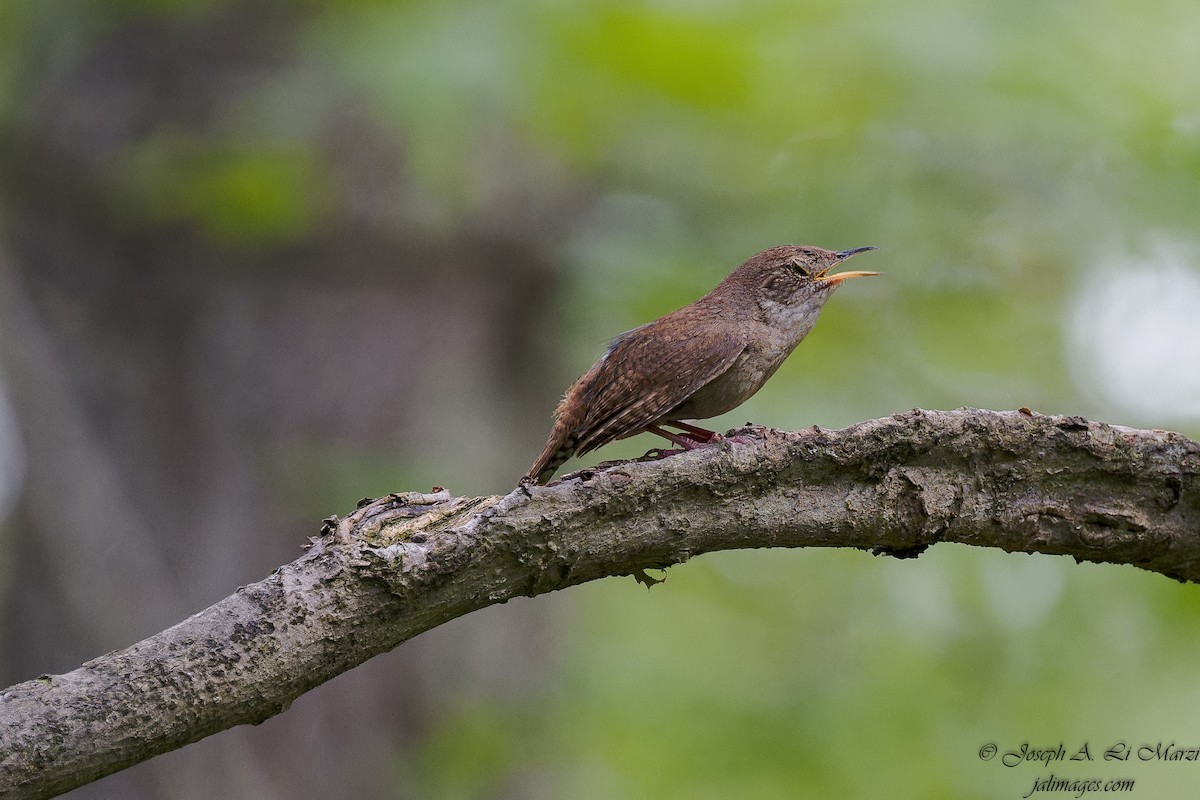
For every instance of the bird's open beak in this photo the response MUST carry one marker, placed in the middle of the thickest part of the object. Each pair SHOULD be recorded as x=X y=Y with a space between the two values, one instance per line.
x=834 y=280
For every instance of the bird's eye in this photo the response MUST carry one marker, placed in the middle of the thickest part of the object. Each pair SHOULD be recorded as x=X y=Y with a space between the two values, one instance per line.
x=800 y=268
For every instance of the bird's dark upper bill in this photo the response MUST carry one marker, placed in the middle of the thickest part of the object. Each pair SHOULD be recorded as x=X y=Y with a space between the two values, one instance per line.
x=833 y=280
x=844 y=254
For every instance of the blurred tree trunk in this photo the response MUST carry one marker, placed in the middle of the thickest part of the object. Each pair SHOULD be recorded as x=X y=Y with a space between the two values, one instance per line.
x=164 y=381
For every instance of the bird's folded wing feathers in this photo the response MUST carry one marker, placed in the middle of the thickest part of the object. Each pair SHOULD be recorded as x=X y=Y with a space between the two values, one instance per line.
x=619 y=398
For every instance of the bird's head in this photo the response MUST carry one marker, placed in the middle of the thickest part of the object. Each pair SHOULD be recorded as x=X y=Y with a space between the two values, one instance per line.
x=794 y=276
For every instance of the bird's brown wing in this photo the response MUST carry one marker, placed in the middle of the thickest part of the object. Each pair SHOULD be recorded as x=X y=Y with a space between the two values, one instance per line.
x=647 y=372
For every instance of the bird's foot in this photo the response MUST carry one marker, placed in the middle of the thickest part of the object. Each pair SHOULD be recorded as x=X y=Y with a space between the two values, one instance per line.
x=688 y=443
x=696 y=434
x=654 y=454
x=691 y=438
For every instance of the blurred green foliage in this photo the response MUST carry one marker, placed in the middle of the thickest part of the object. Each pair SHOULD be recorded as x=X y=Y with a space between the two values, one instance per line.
x=237 y=195
x=994 y=152
x=832 y=673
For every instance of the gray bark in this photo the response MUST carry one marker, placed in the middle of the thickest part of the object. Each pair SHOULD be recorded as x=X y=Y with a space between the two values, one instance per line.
x=407 y=563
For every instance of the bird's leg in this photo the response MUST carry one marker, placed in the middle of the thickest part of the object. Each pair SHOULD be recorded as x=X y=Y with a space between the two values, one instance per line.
x=690 y=438
x=684 y=443
x=681 y=439
x=700 y=435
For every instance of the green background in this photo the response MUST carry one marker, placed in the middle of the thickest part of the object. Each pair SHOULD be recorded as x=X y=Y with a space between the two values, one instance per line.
x=1030 y=172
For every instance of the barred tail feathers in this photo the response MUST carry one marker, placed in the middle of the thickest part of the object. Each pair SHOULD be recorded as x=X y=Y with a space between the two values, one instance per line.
x=561 y=444
x=555 y=454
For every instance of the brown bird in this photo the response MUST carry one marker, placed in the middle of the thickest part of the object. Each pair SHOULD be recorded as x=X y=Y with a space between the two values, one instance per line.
x=700 y=361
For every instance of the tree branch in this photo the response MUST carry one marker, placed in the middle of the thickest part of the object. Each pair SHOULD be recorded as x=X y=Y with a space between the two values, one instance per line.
x=409 y=562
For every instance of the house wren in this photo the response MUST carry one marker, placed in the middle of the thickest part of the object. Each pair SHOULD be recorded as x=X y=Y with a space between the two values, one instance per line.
x=700 y=361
